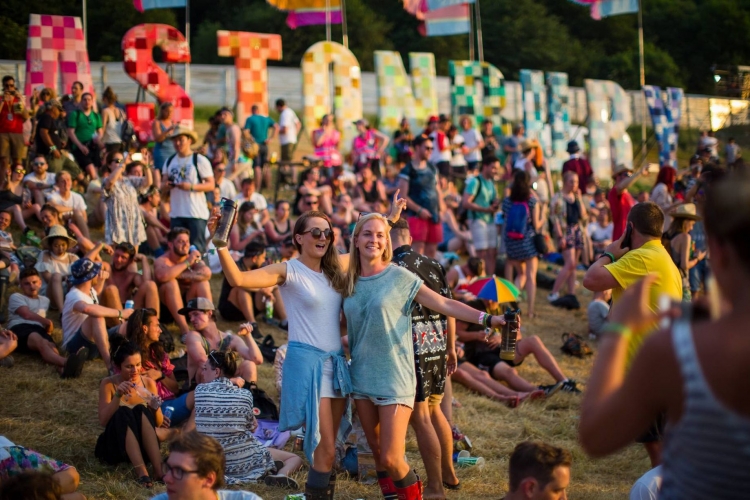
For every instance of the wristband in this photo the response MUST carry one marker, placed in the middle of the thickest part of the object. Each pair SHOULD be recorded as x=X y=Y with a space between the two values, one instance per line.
x=618 y=329
x=119 y=315
x=608 y=254
x=117 y=394
x=53 y=148
x=481 y=318
x=191 y=187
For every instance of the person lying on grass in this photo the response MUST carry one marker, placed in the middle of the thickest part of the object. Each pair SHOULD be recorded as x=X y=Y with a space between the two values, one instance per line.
x=23 y=470
x=129 y=410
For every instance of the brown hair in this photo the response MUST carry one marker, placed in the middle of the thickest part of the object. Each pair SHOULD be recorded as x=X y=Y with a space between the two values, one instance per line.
x=153 y=352
x=30 y=485
x=109 y=95
x=205 y=450
x=227 y=362
x=330 y=261
x=727 y=213
x=355 y=268
x=537 y=460
x=647 y=218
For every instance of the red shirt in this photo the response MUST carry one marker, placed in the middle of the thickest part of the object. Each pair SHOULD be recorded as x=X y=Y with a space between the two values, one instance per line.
x=15 y=124
x=620 y=204
x=581 y=167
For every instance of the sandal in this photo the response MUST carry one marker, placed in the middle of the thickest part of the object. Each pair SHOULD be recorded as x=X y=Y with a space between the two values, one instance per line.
x=513 y=402
x=454 y=487
x=145 y=482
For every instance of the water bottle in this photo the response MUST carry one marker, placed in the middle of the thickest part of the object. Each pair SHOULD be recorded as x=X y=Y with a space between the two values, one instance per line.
x=510 y=334
x=168 y=411
x=228 y=211
x=129 y=304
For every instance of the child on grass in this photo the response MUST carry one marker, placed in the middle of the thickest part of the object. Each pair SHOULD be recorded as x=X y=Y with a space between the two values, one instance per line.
x=54 y=264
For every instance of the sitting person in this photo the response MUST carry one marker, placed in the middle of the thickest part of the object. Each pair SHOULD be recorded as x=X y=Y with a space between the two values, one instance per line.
x=39 y=182
x=17 y=462
x=225 y=412
x=68 y=203
x=369 y=191
x=287 y=250
x=597 y=312
x=51 y=217
x=248 y=193
x=143 y=329
x=194 y=470
x=344 y=216
x=600 y=231
x=126 y=283
x=82 y=316
x=181 y=275
x=311 y=186
x=29 y=322
x=130 y=412
x=8 y=248
x=156 y=231
x=538 y=470
x=8 y=344
x=460 y=276
x=246 y=230
x=207 y=338
x=241 y=304
x=483 y=351
x=54 y=263
x=280 y=228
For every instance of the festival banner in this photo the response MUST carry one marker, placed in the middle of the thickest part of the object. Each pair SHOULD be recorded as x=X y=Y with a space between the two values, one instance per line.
x=142 y=5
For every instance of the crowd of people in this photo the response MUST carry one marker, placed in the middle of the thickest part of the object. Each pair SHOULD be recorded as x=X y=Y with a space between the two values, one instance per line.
x=376 y=252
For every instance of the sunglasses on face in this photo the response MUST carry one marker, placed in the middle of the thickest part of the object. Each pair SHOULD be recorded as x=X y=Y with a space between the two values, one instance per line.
x=428 y=148
x=20 y=171
x=39 y=163
x=221 y=170
x=118 y=160
x=213 y=359
x=316 y=232
x=311 y=203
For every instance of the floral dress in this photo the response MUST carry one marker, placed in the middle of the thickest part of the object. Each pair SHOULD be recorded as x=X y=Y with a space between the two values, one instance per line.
x=124 y=222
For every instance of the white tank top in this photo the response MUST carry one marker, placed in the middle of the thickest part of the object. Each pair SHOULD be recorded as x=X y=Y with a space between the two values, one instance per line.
x=112 y=134
x=313 y=307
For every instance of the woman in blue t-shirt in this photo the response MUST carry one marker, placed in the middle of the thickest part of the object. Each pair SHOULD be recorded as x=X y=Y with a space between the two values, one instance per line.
x=378 y=299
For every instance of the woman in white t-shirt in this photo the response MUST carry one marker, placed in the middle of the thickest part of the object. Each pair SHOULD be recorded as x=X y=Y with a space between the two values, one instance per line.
x=458 y=149
x=473 y=143
x=54 y=263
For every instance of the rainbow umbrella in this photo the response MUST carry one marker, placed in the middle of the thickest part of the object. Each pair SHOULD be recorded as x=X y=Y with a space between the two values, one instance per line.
x=493 y=288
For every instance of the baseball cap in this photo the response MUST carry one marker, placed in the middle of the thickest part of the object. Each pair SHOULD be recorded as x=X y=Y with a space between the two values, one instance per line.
x=197 y=304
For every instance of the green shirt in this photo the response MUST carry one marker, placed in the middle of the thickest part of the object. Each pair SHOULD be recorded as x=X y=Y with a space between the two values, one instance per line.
x=258 y=126
x=84 y=126
x=484 y=195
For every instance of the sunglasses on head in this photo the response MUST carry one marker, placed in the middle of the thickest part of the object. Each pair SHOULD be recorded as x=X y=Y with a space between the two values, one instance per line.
x=213 y=358
x=316 y=232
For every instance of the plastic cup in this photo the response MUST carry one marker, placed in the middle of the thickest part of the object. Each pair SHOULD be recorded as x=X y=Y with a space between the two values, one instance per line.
x=461 y=454
x=470 y=461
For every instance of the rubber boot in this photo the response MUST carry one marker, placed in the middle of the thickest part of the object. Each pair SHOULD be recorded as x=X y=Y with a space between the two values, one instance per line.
x=332 y=484
x=4 y=279
x=411 y=492
x=318 y=493
x=388 y=488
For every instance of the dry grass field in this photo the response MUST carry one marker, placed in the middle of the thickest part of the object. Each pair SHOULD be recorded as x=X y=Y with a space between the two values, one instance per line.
x=59 y=418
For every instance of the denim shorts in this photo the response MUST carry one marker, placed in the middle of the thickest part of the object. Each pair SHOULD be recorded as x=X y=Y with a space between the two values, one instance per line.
x=77 y=341
x=386 y=401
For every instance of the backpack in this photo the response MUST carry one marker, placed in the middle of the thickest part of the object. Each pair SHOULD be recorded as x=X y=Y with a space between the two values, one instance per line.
x=462 y=214
x=195 y=164
x=268 y=348
x=517 y=221
x=574 y=345
x=127 y=130
x=263 y=405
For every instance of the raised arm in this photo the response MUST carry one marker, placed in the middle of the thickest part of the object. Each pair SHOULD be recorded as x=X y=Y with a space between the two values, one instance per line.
x=452 y=308
x=263 y=277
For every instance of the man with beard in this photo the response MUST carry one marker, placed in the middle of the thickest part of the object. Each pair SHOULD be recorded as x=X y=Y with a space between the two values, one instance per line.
x=125 y=283
x=180 y=275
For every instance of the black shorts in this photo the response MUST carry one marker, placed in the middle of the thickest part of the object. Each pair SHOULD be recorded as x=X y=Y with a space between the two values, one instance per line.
x=444 y=168
x=230 y=312
x=487 y=360
x=93 y=158
x=655 y=433
x=24 y=330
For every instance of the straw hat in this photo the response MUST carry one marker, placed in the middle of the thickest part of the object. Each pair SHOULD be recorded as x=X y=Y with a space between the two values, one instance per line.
x=529 y=144
x=57 y=231
x=620 y=168
x=183 y=130
x=685 y=211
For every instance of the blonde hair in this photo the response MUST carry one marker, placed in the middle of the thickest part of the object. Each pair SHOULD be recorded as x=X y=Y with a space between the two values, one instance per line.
x=355 y=268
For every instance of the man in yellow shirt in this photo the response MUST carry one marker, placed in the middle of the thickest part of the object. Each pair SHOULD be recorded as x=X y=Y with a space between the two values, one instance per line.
x=618 y=268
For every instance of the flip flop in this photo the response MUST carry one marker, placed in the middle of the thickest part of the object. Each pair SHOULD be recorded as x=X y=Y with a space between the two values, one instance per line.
x=513 y=403
x=145 y=482
x=74 y=364
x=454 y=487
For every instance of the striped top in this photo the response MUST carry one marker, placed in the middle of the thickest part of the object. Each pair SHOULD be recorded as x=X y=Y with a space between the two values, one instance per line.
x=225 y=412
x=706 y=453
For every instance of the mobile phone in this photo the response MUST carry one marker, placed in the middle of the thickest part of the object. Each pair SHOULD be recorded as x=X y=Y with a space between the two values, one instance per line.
x=627 y=240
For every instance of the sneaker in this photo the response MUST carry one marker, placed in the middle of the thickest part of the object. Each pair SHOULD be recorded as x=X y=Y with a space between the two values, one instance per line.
x=550 y=390
x=553 y=297
x=74 y=364
x=280 y=481
x=257 y=335
x=570 y=386
x=7 y=362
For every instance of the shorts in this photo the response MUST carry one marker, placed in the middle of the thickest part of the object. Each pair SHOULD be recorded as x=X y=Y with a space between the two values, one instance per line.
x=386 y=401
x=230 y=312
x=92 y=158
x=24 y=330
x=573 y=237
x=472 y=166
x=699 y=274
x=655 y=433
x=79 y=340
x=434 y=399
x=326 y=384
x=12 y=146
x=262 y=156
x=287 y=150
x=444 y=168
x=425 y=231
x=483 y=233
x=486 y=361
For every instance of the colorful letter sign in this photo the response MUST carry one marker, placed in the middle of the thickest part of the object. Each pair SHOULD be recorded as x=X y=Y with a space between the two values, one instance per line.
x=465 y=99
x=609 y=117
x=250 y=52
x=559 y=116
x=137 y=48
x=666 y=117
x=347 y=84
x=56 y=41
x=534 y=103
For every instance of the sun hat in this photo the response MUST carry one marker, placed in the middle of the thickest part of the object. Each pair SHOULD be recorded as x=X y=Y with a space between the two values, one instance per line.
x=197 y=304
x=433 y=119
x=685 y=211
x=620 y=168
x=573 y=147
x=83 y=270
x=183 y=130
x=57 y=231
x=528 y=144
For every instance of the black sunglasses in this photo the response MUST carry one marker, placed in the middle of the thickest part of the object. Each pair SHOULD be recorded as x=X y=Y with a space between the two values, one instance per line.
x=118 y=160
x=39 y=163
x=316 y=232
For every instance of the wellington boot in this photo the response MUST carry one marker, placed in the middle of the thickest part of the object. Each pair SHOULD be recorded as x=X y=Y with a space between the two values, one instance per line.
x=411 y=492
x=318 y=493
x=388 y=488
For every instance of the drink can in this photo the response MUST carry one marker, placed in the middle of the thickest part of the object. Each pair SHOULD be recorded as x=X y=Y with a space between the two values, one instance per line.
x=228 y=211
x=299 y=443
x=295 y=496
x=168 y=411
x=129 y=304
x=269 y=308
x=193 y=248
x=470 y=461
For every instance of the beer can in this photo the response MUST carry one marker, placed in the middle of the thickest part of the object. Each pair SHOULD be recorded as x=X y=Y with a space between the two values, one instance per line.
x=129 y=304
x=299 y=443
x=168 y=411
